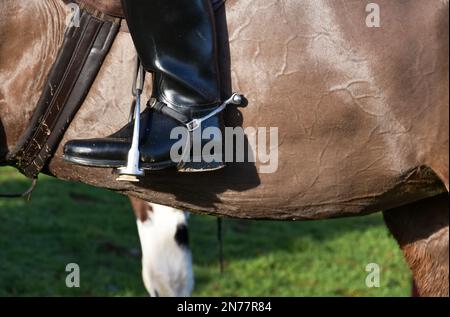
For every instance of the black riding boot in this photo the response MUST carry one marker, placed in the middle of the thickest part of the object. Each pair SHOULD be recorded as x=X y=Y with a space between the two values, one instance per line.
x=175 y=40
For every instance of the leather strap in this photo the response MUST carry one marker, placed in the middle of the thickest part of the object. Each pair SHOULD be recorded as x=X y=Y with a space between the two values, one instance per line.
x=70 y=78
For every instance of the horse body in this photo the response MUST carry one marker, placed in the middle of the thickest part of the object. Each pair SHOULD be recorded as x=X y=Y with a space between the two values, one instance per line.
x=362 y=112
x=421 y=230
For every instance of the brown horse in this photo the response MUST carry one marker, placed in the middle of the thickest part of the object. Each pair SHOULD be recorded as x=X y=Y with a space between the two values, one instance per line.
x=362 y=114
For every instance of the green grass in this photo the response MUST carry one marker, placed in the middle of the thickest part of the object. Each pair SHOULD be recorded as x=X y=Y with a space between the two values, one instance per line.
x=69 y=222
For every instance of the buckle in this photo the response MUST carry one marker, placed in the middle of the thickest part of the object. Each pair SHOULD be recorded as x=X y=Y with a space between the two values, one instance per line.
x=194 y=124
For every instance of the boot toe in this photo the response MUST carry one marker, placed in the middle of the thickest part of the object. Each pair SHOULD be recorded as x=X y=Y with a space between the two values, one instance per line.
x=97 y=152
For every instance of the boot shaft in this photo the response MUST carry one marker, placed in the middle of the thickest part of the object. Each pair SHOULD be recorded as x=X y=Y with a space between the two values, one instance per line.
x=176 y=40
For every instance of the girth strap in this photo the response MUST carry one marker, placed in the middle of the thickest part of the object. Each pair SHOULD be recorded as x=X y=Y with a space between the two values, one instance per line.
x=70 y=78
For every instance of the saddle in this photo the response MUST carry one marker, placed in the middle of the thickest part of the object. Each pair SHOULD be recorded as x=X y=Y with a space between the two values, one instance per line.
x=77 y=64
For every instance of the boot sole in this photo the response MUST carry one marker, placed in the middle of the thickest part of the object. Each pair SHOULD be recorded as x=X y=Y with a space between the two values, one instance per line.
x=189 y=167
x=116 y=164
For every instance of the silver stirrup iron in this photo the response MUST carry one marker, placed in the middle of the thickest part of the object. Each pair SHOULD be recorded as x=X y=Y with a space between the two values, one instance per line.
x=131 y=172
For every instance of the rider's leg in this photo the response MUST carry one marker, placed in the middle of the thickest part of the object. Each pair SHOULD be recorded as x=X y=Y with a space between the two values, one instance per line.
x=175 y=40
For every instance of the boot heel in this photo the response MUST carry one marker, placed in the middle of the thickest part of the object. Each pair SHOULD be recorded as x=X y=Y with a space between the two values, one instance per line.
x=193 y=167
